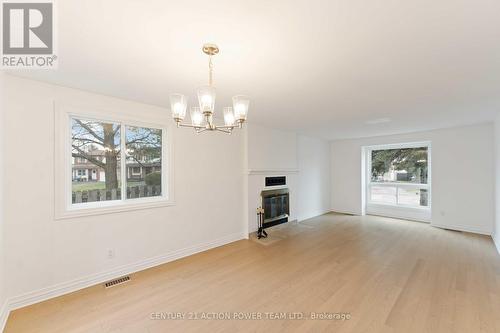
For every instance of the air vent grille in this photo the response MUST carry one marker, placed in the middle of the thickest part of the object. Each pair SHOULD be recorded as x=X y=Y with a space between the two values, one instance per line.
x=276 y=181
x=116 y=282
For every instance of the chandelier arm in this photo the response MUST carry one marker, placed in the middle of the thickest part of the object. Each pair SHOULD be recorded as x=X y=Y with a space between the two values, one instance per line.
x=227 y=131
x=200 y=129
x=226 y=127
x=189 y=126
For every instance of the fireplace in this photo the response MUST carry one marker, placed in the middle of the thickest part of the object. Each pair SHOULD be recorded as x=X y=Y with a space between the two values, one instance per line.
x=276 y=207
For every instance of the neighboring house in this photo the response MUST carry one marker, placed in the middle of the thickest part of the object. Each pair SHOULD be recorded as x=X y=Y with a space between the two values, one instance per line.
x=86 y=171
x=138 y=171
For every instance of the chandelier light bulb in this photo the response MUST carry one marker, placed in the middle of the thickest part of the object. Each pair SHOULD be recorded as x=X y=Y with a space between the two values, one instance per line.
x=240 y=104
x=206 y=98
x=178 y=105
x=229 y=119
x=178 y=108
x=196 y=116
x=240 y=108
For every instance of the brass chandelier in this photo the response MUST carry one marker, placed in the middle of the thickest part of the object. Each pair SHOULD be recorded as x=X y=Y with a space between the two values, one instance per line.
x=202 y=116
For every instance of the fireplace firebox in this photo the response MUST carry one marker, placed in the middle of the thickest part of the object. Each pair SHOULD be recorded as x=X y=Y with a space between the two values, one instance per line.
x=276 y=204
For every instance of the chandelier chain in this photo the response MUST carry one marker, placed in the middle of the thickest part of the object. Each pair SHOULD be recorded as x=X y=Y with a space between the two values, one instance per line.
x=210 y=71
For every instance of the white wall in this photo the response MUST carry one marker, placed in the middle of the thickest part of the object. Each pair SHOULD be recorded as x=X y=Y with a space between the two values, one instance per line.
x=49 y=253
x=496 y=235
x=462 y=175
x=271 y=149
x=3 y=309
x=314 y=177
x=345 y=162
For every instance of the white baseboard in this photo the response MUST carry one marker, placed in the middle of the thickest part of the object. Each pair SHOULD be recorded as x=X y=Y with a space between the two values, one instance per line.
x=462 y=228
x=496 y=240
x=339 y=211
x=4 y=314
x=84 y=282
x=400 y=217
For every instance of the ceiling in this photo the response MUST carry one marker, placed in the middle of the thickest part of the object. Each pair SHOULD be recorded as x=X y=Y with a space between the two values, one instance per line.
x=327 y=68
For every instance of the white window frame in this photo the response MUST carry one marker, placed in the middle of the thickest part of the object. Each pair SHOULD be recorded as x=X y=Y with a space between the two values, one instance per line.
x=64 y=208
x=135 y=173
x=420 y=213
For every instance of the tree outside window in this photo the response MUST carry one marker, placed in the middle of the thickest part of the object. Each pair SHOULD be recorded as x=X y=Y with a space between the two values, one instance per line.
x=96 y=148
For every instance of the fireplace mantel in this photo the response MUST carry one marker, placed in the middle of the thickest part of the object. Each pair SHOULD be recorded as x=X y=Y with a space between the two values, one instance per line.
x=271 y=171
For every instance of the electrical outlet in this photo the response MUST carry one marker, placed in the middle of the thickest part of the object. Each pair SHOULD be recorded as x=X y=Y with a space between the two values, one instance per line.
x=111 y=254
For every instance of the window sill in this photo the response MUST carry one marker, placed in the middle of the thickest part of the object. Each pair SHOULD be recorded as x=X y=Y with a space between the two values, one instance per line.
x=399 y=184
x=111 y=207
x=388 y=205
x=422 y=214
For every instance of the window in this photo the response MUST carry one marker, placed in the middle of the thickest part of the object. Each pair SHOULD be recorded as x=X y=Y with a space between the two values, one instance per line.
x=112 y=164
x=398 y=176
x=89 y=140
x=143 y=151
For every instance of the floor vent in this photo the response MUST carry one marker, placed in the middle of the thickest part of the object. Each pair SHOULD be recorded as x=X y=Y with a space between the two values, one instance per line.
x=116 y=282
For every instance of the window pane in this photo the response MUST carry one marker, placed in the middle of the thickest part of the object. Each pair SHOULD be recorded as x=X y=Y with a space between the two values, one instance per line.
x=143 y=162
x=408 y=165
x=95 y=149
x=412 y=197
x=383 y=194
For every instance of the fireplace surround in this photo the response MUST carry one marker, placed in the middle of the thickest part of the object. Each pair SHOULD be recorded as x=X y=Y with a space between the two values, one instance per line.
x=276 y=204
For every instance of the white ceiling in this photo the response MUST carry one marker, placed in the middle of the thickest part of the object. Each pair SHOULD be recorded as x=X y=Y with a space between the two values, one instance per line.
x=334 y=69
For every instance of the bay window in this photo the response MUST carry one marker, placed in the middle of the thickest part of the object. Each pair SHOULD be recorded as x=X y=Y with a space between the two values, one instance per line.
x=398 y=180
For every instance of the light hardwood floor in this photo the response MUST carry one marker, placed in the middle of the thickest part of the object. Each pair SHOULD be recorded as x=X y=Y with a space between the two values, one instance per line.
x=389 y=275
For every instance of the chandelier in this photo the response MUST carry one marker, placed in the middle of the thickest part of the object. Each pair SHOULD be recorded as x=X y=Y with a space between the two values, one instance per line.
x=202 y=115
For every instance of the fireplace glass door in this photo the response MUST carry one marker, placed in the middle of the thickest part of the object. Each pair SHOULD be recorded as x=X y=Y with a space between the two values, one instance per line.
x=276 y=205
